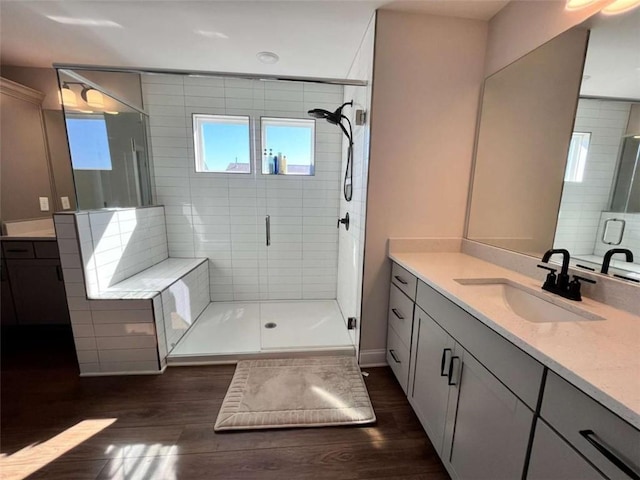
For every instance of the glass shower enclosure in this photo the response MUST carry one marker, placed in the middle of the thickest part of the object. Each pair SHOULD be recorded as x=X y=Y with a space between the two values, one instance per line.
x=107 y=137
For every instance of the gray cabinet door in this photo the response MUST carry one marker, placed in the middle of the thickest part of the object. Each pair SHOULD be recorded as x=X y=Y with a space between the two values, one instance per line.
x=38 y=292
x=491 y=431
x=430 y=393
x=553 y=458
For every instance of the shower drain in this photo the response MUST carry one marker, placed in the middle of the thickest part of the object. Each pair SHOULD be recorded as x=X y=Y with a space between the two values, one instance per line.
x=270 y=325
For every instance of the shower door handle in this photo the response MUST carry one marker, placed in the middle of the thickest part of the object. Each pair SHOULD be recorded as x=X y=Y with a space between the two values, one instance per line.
x=267 y=224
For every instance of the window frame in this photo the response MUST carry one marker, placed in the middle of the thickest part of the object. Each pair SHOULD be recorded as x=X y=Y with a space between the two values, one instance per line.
x=289 y=121
x=198 y=119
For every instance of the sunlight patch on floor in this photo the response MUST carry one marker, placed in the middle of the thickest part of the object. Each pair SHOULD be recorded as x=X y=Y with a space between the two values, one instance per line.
x=32 y=458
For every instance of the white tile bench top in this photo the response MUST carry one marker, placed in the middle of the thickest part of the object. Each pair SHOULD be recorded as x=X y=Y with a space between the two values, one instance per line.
x=151 y=281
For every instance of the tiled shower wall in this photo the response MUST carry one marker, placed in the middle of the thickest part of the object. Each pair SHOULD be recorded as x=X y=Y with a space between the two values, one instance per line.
x=582 y=203
x=222 y=216
x=118 y=244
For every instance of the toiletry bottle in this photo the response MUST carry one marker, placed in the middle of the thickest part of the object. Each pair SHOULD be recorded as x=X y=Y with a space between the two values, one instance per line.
x=283 y=165
x=275 y=165
x=272 y=165
x=280 y=170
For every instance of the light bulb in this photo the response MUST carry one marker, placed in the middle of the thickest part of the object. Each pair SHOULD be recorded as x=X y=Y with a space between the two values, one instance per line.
x=620 y=6
x=67 y=97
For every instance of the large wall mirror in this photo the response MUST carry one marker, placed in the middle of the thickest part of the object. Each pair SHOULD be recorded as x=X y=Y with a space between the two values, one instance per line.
x=557 y=152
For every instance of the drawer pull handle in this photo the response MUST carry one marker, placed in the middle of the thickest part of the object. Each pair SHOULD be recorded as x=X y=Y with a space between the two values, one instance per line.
x=393 y=354
x=59 y=273
x=589 y=435
x=17 y=250
x=443 y=361
x=397 y=314
x=450 y=373
x=401 y=280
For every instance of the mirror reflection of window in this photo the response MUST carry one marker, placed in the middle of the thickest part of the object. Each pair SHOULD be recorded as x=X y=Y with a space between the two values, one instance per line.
x=88 y=142
x=577 y=159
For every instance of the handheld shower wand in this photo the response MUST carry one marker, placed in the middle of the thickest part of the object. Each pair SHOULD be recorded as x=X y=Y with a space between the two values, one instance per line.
x=336 y=118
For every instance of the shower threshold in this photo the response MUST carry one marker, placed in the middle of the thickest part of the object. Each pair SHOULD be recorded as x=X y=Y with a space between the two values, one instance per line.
x=230 y=331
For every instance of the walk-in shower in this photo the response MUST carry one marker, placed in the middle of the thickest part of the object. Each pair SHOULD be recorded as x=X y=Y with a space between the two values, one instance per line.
x=266 y=234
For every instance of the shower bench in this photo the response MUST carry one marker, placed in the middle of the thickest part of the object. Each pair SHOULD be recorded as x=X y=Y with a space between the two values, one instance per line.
x=129 y=302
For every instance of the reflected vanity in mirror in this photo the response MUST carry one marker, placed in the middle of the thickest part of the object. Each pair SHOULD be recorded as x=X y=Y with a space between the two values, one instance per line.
x=542 y=180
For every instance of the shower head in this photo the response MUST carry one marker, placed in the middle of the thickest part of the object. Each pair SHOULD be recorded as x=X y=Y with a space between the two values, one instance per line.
x=331 y=117
x=321 y=113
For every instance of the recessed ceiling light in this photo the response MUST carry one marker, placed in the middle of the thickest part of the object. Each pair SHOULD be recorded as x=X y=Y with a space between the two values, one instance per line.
x=268 y=57
x=84 y=22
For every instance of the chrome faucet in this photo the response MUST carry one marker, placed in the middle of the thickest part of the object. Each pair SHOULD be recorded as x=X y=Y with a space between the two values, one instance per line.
x=560 y=284
x=612 y=252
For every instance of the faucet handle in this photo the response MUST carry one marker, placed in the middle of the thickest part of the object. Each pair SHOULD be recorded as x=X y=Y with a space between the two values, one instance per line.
x=578 y=278
x=574 y=287
x=550 y=281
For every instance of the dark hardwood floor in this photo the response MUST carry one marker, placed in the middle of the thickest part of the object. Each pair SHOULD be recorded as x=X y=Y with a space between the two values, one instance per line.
x=56 y=425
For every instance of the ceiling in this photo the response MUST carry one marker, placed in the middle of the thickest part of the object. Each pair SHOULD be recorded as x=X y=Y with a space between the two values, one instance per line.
x=612 y=65
x=316 y=38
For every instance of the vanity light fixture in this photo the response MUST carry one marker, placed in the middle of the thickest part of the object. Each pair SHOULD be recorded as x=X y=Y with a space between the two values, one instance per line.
x=67 y=96
x=93 y=97
x=578 y=4
x=268 y=57
x=620 y=6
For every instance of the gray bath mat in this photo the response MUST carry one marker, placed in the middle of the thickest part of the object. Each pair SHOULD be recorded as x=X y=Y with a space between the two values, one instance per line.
x=302 y=392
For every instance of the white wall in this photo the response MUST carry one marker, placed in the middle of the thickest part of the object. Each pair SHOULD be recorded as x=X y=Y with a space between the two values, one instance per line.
x=351 y=242
x=221 y=216
x=427 y=76
x=583 y=203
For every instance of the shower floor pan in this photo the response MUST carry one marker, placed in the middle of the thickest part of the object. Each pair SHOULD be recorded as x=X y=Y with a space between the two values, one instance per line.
x=230 y=331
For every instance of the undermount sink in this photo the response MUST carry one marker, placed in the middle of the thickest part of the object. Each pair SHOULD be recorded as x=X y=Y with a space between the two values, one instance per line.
x=529 y=304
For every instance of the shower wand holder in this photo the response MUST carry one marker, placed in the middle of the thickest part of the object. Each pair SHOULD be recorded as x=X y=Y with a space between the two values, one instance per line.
x=344 y=221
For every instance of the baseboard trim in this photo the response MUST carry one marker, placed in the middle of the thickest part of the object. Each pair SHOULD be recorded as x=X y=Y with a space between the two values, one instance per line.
x=115 y=374
x=373 y=358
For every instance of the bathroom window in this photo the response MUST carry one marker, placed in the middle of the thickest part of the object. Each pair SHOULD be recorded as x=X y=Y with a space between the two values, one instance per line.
x=292 y=141
x=222 y=143
x=88 y=142
x=577 y=160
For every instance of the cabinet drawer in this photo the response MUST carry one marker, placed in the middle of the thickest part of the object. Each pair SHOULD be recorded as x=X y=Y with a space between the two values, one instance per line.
x=46 y=249
x=18 y=249
x=517 y=370
x=552 y=457
x=398 y=358
x=404 y=280
x=400 y=314
x=571 y=412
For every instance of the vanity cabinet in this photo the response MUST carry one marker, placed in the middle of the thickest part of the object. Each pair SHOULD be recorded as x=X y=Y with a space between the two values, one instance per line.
x=474 y=392
x=477 y=425
x=491 y=410
x=552 y=457
x=34 y=285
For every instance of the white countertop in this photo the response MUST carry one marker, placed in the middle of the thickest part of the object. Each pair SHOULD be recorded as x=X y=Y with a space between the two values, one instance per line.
x=601 y=358
x=31 y=236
